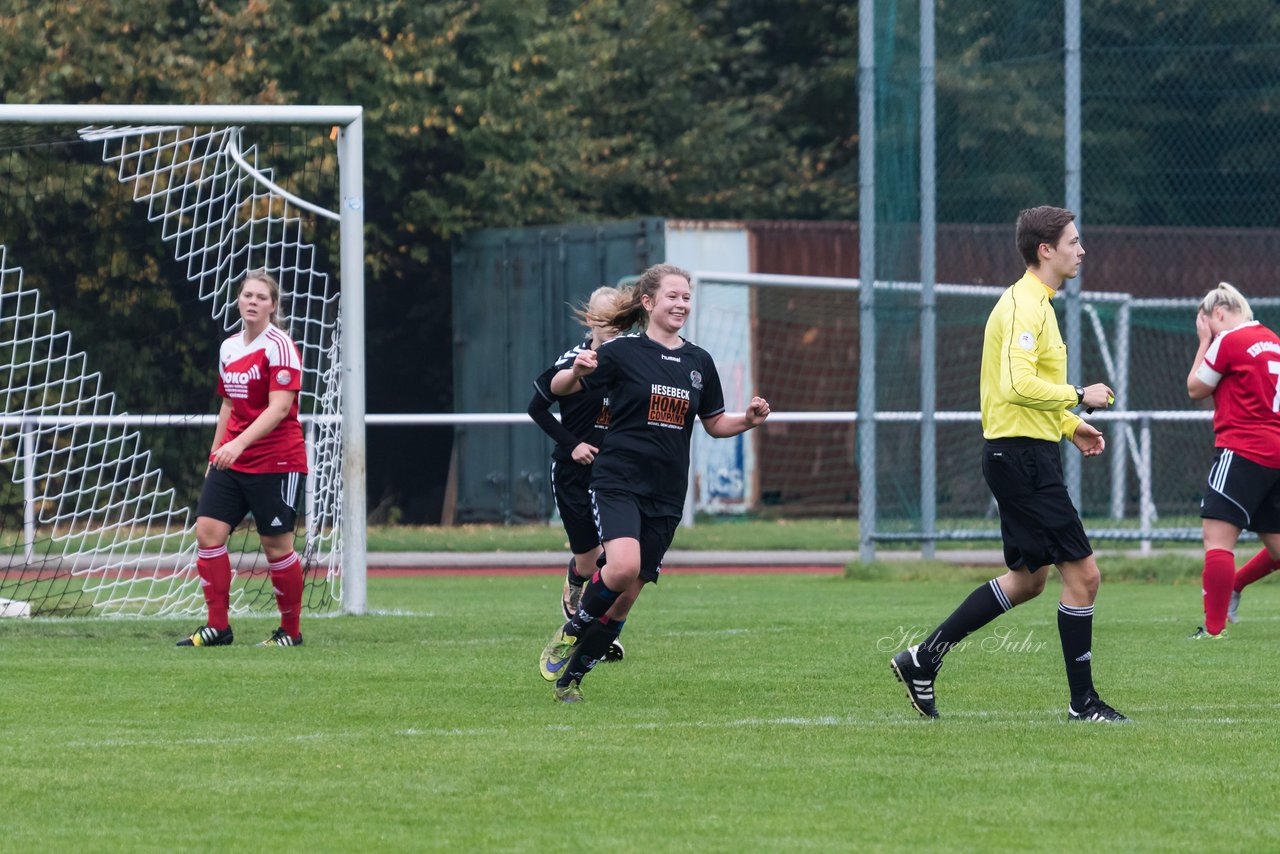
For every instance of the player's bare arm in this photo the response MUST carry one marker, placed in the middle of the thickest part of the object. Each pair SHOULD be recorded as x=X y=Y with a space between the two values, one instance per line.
x=568 y=381
x=723 y=426
x=278 y=406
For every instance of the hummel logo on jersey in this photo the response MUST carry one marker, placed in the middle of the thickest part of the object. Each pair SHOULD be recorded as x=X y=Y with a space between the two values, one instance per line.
x=667 y=358
x=1086 y=657
x=241 y=377
x=569 y=355
x=236 y=383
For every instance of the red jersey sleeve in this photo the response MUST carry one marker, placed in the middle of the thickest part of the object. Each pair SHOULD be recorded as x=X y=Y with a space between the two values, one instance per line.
x=284 y=366
x=222 y=360
x=1217 y=359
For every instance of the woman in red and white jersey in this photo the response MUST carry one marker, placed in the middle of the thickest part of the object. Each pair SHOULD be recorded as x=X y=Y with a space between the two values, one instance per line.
x=1238 y=363
x=258 y=464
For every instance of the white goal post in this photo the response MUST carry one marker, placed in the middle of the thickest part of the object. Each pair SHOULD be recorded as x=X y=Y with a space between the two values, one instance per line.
x=345 y=400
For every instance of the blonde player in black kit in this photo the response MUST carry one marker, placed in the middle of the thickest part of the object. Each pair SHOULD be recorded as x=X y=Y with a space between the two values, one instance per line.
x=657 y=383
x=583 y=424
x=1026 y=403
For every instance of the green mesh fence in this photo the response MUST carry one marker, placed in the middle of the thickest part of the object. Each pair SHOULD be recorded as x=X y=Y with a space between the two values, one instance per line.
x=1180 y=109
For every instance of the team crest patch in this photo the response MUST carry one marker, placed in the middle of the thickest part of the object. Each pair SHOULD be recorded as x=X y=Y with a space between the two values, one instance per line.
x=696 y=378
x=283 y=377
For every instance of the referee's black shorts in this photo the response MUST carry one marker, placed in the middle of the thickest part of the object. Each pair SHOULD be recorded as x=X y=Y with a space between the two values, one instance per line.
x=1038 y=522
x=571 y=485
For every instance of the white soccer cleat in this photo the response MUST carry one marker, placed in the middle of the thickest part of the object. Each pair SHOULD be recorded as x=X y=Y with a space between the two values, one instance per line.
x=1234 y=607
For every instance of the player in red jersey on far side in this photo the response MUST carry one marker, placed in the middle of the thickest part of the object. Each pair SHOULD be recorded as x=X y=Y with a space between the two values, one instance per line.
x=258 y=463
x=1238 y=363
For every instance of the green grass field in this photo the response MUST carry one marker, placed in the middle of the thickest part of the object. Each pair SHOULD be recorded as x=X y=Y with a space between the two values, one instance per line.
x=753 y=713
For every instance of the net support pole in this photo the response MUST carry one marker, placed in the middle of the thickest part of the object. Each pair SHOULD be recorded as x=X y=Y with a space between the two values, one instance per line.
x=866 y=424
x=309 y=501
x=1117 y=441
x=688 y=516
x=1145 y=491
x=928 y=279
x=29 y=490
x=351 y=238
x=1071 y=122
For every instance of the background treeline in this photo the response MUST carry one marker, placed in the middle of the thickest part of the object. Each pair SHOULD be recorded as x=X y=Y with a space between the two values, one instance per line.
x=523 y=112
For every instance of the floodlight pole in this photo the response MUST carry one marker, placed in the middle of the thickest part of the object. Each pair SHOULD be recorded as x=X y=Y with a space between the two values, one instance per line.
x=928 y=279
x=866 y=425
x=1071 y=131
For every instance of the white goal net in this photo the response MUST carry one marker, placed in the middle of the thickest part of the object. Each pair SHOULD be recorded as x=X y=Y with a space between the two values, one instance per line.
x=120 y=248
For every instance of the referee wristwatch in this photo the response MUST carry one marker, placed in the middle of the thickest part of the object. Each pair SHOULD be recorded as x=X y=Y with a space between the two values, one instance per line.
x=1079 y=395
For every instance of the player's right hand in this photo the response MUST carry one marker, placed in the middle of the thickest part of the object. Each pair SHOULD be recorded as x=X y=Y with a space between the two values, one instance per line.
x=1203 y=332
x=227 y=454
x=1098 y=396
x=585 y=454
x=584 y=363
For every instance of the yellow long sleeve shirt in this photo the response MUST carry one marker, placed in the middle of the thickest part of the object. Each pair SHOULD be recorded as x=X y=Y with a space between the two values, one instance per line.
x=1023 y=382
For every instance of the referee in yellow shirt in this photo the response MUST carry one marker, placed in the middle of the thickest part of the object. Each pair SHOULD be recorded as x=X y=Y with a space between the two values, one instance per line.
x=1026 y=402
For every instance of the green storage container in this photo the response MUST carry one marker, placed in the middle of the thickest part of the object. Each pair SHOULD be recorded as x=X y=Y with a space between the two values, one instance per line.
x=513 y=291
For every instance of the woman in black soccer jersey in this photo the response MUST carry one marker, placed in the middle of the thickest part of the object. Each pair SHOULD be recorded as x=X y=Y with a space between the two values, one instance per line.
x=657 y=382
x=584 y=418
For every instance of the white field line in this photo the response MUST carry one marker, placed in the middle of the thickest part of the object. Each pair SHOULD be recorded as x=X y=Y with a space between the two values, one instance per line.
x=1221 y=714
x=199 y=742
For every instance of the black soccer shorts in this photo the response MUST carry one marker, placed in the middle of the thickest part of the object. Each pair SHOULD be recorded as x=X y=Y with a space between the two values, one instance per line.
x=272 y=497
x=1242 y=492
x=1038 y=522
x=621 y=515
x=571 y=484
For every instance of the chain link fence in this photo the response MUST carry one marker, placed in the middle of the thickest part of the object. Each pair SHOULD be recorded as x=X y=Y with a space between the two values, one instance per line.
x=1179 y=108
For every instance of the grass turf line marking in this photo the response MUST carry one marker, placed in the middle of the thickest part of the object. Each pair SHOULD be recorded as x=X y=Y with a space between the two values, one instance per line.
x=1043 y=717
x=202 y=742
